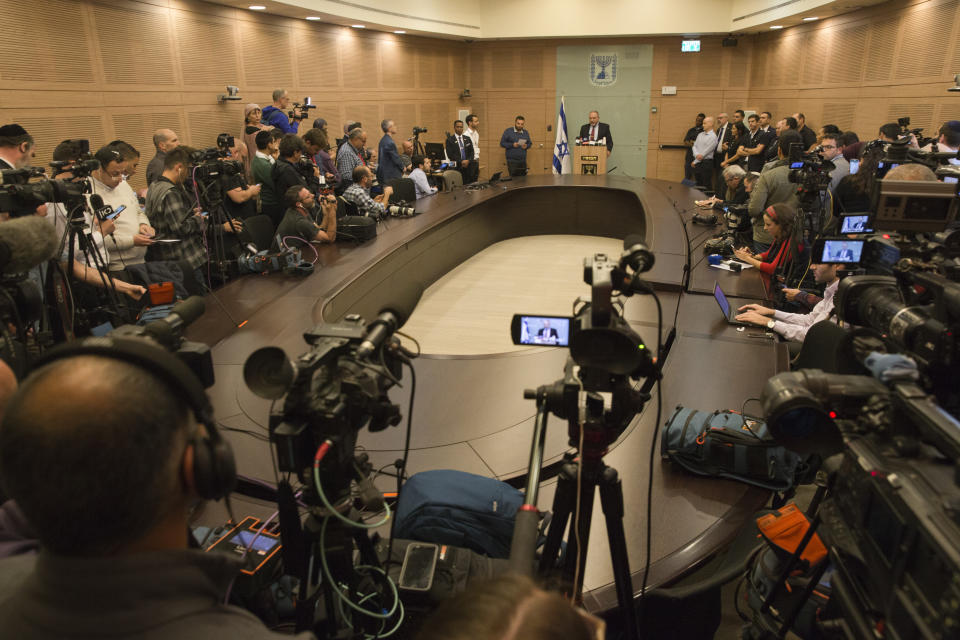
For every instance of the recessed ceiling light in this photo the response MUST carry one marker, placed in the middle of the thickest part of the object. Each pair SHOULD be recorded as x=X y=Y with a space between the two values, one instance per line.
x=811 y=18
x=359 y=26
x=400 y=31
x=313 y=17
x=257 y=7
x=776 y=26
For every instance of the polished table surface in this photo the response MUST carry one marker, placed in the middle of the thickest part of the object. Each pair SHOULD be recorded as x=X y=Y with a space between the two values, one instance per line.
x=469 y=411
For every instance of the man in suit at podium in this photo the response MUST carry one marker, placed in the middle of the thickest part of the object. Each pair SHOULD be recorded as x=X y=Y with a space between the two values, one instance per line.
x=596 y=130
x=459 y=148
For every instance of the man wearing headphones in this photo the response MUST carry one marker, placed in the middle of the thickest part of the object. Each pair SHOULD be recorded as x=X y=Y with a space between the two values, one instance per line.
x=108 y=475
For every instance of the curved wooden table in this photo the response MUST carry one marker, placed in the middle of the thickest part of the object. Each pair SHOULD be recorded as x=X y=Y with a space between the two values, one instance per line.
x=469 y=410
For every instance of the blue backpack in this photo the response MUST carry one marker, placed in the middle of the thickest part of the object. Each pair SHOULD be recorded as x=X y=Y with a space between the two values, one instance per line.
x=459 y=509
x=726 y=444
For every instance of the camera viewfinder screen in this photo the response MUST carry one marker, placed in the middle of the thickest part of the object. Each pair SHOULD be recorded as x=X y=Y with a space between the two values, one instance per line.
x=855 y=224
x=263 y=543
x=842 y=251
x=545 y=330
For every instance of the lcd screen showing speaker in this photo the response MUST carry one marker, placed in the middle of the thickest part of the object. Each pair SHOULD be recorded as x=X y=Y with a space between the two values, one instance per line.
x=856 y=224
x=840 y=251
x=551 y=331
x=689 y=46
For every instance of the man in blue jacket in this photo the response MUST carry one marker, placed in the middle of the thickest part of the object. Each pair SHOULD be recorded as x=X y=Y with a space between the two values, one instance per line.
x=516 y=140
x=276 y=114
x=390 y=163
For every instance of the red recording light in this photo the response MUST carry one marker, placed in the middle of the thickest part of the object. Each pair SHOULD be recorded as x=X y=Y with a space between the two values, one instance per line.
x=833 y=415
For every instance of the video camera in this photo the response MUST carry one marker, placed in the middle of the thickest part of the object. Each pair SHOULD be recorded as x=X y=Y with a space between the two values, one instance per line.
x=18 y=197
x=905 y=130
x=301 y=110
x=418 y=130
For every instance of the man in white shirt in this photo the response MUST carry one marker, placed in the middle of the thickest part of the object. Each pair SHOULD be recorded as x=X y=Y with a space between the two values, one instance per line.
x=473 y=121
x=703 y=149
x=794 y=326
x=133 y=234
x=421 y=164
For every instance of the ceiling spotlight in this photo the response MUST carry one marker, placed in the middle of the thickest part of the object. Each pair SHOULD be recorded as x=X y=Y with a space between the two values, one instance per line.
x=313 y=17
x=399 y=31
x=811 y=18
x=776 y=26
x=359 y=26
x=257 y=7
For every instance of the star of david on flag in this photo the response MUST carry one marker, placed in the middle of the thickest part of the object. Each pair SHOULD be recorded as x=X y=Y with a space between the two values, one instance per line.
x=561 y=151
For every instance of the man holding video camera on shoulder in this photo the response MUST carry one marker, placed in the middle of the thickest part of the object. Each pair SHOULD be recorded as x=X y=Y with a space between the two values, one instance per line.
x=276 y=114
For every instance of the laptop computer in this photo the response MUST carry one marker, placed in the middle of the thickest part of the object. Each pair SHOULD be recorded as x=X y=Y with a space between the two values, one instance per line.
x=729 y=313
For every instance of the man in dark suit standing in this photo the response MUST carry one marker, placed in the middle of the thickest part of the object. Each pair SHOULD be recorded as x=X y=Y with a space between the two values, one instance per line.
x=596 y=130
x=724 y=134
x=390 y=165
x=459 y=149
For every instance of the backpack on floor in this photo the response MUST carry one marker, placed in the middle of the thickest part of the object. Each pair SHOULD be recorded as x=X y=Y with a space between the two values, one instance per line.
x=726 y=444
x=459 y=509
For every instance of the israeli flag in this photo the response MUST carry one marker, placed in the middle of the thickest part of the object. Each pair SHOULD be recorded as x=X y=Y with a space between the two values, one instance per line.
x=561 y=151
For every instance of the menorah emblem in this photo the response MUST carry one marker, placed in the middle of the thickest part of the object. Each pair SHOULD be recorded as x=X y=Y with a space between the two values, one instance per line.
x=603 y=69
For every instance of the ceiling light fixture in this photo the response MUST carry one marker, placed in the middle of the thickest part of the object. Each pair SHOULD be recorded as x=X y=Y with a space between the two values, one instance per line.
x=257 y=7
x=359 y=26
x=811 y=18
x=776 y=26
x=400 y=31
x=313 y=17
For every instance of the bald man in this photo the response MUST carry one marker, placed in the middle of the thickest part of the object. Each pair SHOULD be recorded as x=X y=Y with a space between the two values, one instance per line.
x=165 y=141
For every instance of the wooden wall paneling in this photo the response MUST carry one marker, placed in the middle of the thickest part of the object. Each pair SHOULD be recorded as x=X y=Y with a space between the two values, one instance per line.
x=208 y=49
x=786 y=69
x=459 y=71
x=955 y=43
x=405 y=117
x=920 y=114
x=737 y=63
x=531 y=67
x=681 y=67
x=397 y=65
x=355 y=64
x=881 y=45
x=503 y=69
x=267 y=56
x=369 y=116
x=847 y=55
x=49 y=130
x=318 y=63
x=438 y=118
x=814 y=57
x=841 y=114
x=433 y=68
x=137 y=128
x=205 y=124
x=926 y=31
x=45 y=43
x=146 y=59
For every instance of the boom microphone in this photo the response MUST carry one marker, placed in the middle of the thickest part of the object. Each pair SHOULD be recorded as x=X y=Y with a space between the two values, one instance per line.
x=25 y=243
x=183 y=313
x=389 y=320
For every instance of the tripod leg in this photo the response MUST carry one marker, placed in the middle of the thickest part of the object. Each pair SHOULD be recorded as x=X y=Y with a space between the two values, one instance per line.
x=563 y=504
x=587 y=491
x=611 y=499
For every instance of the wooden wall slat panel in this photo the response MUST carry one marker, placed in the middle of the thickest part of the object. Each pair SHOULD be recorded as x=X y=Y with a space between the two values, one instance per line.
x=267 y=59
x=405 y=117
x=397 y=66
x=145 y=59
x=138 y=128
x=203 y=127
x=923 y=35
x=42 y=45
x=880 y=49
x=845 y=63
x=503 y=69
x=841 y=114
x=48 y=131
x=207 y=49
x=921 y=115
x=317 y=62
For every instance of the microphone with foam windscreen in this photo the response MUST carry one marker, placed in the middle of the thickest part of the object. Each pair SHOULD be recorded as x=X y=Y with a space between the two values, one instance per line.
x=635 y=254
x=25 y=243
x=389 y=320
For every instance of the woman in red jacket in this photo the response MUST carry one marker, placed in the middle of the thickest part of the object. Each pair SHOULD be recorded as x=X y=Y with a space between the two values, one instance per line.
x=780 y=220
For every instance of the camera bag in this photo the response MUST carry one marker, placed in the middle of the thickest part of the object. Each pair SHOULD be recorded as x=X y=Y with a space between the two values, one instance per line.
x=459 y=509
x=356 y=228
x=727 y=444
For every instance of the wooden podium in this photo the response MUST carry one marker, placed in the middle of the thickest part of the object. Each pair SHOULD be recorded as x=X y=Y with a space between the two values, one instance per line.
x=590 y=159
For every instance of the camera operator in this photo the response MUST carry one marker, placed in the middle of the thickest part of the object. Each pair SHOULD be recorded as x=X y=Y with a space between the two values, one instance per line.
x=108 y=478
x=133 y=234
x=948 y=141
x=175 y=219
x=390 y=165
x=131 y=160
x=16 y=147
x=165 y=141
x=318 y=148
x=773 y=186
x=287 y=173
x=241 y=200
x=276 y=114
x=358 y=193
x=794 y=326
x=349 y=157
x=831 y=150
x=298 y=221
x=421 y=164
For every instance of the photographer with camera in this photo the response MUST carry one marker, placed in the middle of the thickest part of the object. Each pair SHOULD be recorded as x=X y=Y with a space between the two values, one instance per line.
x=773 y=186
x=109 y=476
x=298 y=221
x=287 y=172
x=318 y=148
x=276 y=114
x=241 y=197
x=358 y=194
x=794 y=326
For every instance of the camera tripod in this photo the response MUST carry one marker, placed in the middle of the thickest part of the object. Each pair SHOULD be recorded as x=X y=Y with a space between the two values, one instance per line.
x=598 y=430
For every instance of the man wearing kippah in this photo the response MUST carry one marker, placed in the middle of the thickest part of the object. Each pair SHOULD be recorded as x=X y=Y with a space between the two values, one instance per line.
x=16 y=147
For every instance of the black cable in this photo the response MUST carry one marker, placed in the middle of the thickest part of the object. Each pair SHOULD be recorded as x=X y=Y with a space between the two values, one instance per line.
x=402 y=472
x=252 y=434
x=743 y=417
x=653 y=446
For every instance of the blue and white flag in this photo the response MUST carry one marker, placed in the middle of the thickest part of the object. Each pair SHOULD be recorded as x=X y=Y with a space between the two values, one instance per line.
x=561 y=151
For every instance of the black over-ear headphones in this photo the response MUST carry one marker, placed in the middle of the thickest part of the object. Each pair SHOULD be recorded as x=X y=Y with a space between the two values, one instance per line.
x=214 y=467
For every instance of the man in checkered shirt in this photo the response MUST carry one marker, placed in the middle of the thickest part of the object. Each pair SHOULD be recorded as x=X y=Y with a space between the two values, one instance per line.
x=358 y=193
